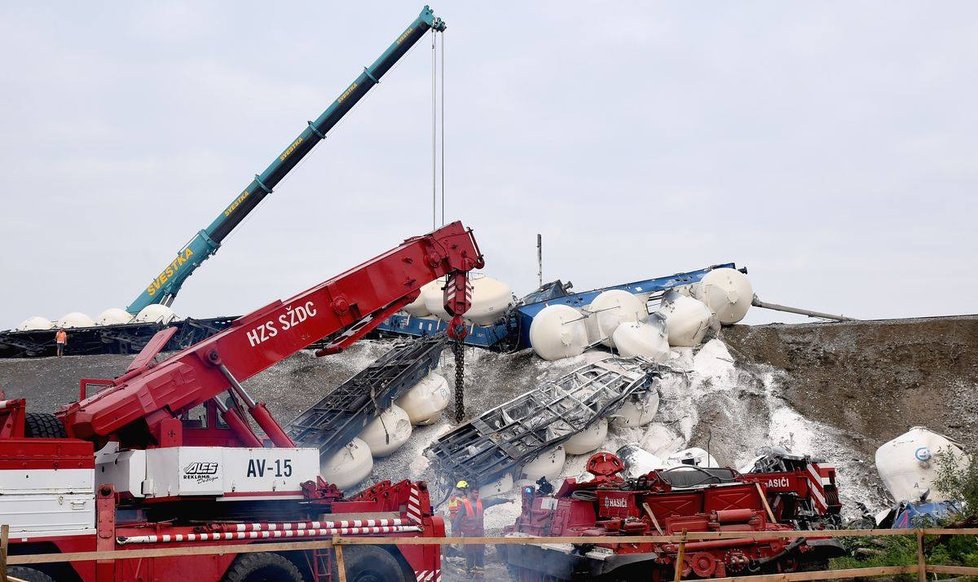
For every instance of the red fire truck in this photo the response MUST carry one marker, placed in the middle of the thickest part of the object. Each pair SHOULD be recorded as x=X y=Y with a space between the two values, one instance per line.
x=662 y=502
x=163 y=456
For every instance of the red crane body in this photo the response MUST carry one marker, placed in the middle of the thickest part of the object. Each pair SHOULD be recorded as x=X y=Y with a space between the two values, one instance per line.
x=142 y=407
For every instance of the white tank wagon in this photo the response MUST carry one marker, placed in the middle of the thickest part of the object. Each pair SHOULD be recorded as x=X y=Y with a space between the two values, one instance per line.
x=638 y=461
x=647 y=340
x=74 y=319
x=155 y=313
x=638 y=410
x=558 y=332
x=687 y=319
x=692 y=457
x=501 y=485
x=727 y=292
x=388 y=432
x=113 y=316
x=609 y=310
x=348 y=466
x=589 y=439
x=427 y=399
x=36 y=323
x=433 y=295
x=418 y=307
x=548 y=464
x=908 y=464
x=491 y=299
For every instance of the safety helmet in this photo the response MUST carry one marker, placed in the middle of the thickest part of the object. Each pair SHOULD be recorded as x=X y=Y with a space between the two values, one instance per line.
x=463 y=484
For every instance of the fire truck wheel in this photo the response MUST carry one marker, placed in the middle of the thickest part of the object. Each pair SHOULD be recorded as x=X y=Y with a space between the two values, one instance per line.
x=369 y=564
x=262 y=567
x=28 y=574
x=41 y=425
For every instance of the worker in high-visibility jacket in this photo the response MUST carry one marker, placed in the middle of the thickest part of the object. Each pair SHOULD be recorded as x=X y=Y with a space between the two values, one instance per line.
x=456 y=500
x=61 y=340
x=470 y=522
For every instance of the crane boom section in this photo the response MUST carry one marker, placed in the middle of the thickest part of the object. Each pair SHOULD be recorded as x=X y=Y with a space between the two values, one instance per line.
x=205 y=243
x=341 y=308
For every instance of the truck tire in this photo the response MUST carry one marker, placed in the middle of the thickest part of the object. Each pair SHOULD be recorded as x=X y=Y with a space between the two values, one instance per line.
x=28 y=574
x=262 y=567
x=371 y=564
x=41 y=425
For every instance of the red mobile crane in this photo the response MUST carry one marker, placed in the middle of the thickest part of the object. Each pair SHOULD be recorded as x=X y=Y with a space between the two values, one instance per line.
x=164 y=477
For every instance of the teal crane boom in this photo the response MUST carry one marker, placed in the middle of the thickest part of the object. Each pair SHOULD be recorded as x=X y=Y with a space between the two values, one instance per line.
x=164 y=288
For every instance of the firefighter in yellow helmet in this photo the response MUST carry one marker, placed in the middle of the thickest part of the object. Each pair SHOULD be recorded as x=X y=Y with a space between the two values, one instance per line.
x=456 y=500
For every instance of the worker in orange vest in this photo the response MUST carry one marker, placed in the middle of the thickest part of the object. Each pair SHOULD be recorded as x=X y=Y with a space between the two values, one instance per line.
x=469 y=522
x=61 y=339
x=456 y=501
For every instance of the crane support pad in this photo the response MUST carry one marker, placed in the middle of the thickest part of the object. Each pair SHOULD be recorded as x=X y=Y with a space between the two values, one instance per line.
x=342 y=414
x=511 y=434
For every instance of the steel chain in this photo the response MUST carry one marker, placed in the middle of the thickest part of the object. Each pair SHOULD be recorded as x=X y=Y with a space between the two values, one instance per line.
x=459 y=351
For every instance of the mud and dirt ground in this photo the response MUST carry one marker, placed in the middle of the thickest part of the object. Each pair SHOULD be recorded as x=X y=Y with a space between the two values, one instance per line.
x=874 y=378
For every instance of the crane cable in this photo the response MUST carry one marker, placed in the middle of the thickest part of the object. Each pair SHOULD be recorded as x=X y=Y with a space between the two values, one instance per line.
x=443 y=128
x=458 y=348
x=437 y=122
x=434 y=131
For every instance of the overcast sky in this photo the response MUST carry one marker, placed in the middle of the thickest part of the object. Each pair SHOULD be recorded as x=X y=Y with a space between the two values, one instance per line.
x=830 y=147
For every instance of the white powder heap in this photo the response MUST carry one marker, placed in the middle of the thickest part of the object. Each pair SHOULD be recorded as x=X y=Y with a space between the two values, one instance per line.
x=707 y=401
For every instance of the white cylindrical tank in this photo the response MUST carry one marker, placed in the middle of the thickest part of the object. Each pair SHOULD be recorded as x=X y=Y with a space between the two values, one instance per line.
x=348 y=466
x=388 y=432
x=74 y=319
x=429 y=292
x=695 y=457
x=638 y=461
x=557 y=332
x=687 y=319
x=727 y=292
x=417 y=308
x=609 y=310
x=434 y=298
x=502 y=485
x=427 y=399
x=35 y=323
x=547 y=464
x=638 y=410
x=588 y=439
x=908 y=464
x=643 y=339
x=490 y=300
x=113 y=316
x=155 y=313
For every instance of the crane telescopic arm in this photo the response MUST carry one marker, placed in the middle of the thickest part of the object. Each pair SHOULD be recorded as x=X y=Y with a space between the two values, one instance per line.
x=142 y=408
x=205 y=243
